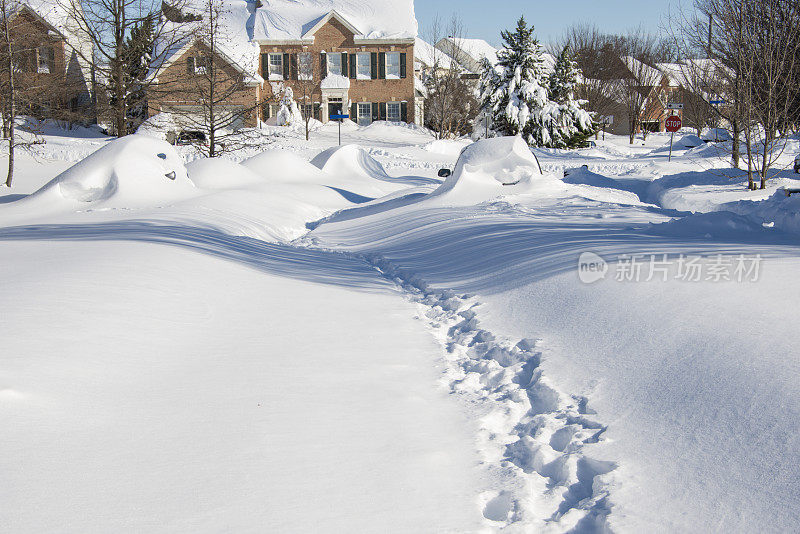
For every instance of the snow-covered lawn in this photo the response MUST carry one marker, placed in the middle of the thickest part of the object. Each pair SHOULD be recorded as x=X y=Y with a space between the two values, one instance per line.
x=302 y=338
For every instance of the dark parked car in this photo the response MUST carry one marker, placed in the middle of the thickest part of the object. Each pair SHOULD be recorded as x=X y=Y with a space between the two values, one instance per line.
x=797 y=164
x=190 y=137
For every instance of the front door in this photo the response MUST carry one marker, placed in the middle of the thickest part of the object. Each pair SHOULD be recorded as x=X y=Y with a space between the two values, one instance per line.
x=334 y=108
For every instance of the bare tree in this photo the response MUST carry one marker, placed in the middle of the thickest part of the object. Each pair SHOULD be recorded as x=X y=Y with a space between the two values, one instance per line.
x=757 y=43
x=9 y=93
x=20 y=82
x=637 y=87
x=109 y=27
x=308 y=80
x=451 y=104
x=213 y=81
x=699 y=85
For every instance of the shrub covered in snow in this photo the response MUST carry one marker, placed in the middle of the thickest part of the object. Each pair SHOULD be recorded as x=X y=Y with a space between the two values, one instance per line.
x=289 y=112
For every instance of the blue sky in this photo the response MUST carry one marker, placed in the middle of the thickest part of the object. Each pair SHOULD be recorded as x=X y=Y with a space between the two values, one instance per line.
x=484 y=19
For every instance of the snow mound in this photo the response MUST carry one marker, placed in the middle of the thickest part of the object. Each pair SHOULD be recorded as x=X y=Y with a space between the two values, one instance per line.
x=217 y=173
x=350 y=160
x=491 y=168
x=778 y=211
x=133 y=170
x=157 y=126
x=717 y=224
x=583 y=176
x=282 y=165
x=689 y=141
x=448 y=147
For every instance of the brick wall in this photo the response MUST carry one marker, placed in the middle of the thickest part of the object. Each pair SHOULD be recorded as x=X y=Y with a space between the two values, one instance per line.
x=334 y=37
x=178 y=88
x=40 y=90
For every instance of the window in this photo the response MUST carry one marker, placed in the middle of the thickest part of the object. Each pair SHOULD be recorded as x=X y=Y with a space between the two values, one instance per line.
x=274 y=109
x=363 y=67
x=392 y=110
x=276 y=66
x=393 y=67
x=364 y=113
x=335 y=63
x=46 y=63
x=307 y=110
x=201 y=64
x=305 y=66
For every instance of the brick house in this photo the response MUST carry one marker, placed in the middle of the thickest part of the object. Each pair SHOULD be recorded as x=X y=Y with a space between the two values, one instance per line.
x=53 y=82
x=182 y=77
x=357 y=58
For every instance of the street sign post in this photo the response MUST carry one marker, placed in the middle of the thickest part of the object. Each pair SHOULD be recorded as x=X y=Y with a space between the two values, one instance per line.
x=672 y=124
x=340 y=117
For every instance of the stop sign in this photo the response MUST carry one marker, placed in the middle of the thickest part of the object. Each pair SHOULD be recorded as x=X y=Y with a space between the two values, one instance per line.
x=673 y=124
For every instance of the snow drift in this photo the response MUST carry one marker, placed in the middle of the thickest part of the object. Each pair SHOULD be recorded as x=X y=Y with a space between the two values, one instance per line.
x=492 y=168
x=350 y=160
x=282 y=165
x=217 y=173
x=130 y=171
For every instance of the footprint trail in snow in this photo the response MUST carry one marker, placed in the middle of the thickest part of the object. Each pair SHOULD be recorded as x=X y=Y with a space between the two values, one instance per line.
x=532 y=436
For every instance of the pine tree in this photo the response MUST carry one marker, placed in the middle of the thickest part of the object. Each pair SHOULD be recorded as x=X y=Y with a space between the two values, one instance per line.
x=134 y=56
x=573 y=125
x=515 y=93
x=522 y=100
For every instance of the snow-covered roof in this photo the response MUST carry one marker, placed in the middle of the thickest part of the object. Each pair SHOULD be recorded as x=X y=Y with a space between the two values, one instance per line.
x=675 y=73
x=233 y=43
x=645 y=74
x=243 y=26
x=53 y=12
x=335 y=81
x=476 y=49
x=296 y=20
x=427 y=54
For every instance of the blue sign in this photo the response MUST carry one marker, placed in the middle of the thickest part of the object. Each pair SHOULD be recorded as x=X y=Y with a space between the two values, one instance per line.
x=716 y=102
x=340 y=116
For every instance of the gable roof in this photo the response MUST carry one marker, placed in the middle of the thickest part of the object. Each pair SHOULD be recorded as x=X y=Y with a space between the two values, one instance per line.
x=170 y=56
x=644 y=73
x=243 y=25
x=324 y=20
x=19 y=8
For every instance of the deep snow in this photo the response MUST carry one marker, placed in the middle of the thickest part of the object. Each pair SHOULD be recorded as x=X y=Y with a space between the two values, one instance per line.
x=314 y=280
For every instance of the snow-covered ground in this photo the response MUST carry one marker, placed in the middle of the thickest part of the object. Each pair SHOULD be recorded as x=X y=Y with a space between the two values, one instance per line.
x=302 y=337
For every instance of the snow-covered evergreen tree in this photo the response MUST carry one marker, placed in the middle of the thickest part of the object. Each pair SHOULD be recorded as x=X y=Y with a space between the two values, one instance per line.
x=515 y=90
x=573 y=125
x=521 y=100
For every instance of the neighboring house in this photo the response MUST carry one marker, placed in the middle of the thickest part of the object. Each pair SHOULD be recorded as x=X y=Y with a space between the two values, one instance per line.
x=52 y=78
x=337 y=57
x=470 y=53
x=181 y=85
